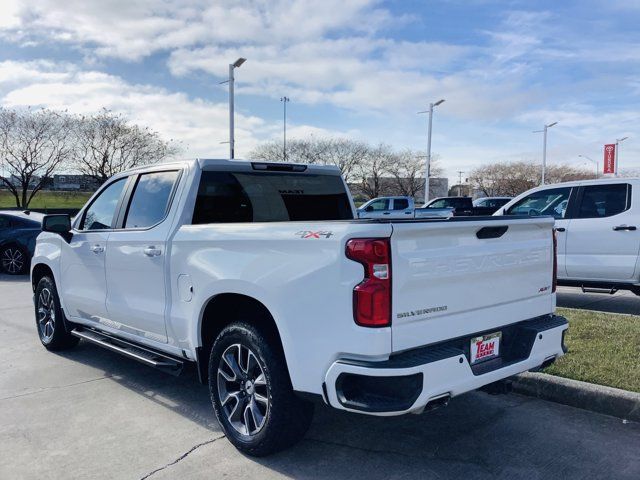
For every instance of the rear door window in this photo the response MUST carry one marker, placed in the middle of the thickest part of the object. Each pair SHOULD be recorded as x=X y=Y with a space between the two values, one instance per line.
x=552 y=202
x=400 y=204
x=151 y=199
x=604 y=200
x=225 y=197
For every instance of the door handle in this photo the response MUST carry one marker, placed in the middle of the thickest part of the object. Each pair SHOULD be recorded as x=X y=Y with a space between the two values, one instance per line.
x=560 y=229
x=387 y=213
x=625 y=227
x=97 y=248
x=152 y=251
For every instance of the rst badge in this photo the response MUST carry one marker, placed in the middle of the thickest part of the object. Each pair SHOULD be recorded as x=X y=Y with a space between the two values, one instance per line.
x=485 y=347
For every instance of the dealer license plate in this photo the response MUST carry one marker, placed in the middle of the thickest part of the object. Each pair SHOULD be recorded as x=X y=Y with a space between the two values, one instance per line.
x=485 y=347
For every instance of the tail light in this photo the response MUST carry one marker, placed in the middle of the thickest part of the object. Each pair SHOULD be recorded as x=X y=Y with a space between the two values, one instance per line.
x=554 y=283
x=372 y=297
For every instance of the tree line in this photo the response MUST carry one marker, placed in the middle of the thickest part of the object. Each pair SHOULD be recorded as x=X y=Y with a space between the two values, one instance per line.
x=35 y=144
x=370 y=170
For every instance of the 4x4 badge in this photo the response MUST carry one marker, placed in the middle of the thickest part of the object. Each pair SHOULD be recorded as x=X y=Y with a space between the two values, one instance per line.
x=312 y=234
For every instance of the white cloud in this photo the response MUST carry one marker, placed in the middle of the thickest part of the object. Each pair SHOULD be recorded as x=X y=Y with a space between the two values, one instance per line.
x=199 y=125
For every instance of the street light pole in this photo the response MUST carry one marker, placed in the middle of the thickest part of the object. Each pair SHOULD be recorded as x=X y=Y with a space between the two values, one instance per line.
x=284 y=100
x=460 y=172
x=618 y=142
x=232 y=140
x=427 y=173
x=544 y=148
x=593 y=161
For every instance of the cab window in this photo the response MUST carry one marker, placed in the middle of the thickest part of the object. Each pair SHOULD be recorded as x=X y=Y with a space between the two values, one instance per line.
x=378 y=205
x=544 y=202
x=604 y=200
x=151 y=199
x=400 y=204
x=101 y=212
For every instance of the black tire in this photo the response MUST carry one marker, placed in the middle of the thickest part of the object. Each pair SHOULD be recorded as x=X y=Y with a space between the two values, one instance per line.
x=50 y=321
x=14 y=260
x=285 y=418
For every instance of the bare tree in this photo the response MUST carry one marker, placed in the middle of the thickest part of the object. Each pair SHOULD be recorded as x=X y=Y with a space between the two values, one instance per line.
x=344 y=153
x=107 y=144
x=32 y=145
x=408 y=170
x=374 y=169
x=513 y=178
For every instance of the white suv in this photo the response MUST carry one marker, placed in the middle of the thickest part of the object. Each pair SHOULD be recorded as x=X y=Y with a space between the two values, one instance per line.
x=598 y=225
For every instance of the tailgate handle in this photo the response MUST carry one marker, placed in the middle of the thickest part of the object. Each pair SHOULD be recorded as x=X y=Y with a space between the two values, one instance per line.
x=491 y=232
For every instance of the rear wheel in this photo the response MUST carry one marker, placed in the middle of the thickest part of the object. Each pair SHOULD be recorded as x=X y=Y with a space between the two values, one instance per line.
x=252 y=394
x=14 y=260
x=49 y=318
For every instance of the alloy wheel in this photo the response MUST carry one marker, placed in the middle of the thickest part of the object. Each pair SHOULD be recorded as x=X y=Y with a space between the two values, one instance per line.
x=46 y=315
x=12 y=260
x=243 y=390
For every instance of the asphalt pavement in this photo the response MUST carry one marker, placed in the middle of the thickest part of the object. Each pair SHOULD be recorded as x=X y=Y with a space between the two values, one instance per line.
x=89 y=413
x=623 y=301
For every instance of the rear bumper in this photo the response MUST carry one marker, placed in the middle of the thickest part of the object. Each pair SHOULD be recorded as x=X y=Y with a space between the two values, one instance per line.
x=410 y=380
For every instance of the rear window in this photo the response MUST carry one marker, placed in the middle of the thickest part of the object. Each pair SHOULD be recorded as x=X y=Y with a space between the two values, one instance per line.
x=226 y=197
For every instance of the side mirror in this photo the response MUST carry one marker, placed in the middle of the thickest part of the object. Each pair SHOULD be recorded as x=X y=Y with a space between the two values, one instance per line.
x=369 y=209
x=60 y=224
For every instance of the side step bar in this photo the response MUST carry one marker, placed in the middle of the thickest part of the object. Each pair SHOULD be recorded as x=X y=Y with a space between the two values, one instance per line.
x=142 y=354
x=607 y=291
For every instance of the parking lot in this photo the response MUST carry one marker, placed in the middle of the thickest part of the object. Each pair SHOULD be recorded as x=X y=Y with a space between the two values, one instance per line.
x=88 y=413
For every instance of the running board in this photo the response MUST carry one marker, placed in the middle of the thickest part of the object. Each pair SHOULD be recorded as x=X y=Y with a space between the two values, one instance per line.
x=142 y=354
x=606 y=291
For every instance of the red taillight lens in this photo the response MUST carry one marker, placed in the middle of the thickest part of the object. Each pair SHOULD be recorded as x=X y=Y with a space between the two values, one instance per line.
x=372 y=297
x=554 y=283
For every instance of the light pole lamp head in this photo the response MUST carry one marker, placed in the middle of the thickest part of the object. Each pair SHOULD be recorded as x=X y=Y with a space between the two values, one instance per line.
x=238 y=62
x=621 y=139
x=438 y=102
x=551 y=124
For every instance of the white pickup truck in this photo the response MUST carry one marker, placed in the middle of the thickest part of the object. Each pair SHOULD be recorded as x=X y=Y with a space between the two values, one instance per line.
x=259 y=275
x=394 y=208
x=598 y=225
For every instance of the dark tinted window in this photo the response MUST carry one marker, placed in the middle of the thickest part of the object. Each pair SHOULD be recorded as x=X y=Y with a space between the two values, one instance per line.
x=603 y=200
x=400 y=204
x=450 y=202
x=552 y=201
x=270 y=197
x=100 y=213
x=150 y=199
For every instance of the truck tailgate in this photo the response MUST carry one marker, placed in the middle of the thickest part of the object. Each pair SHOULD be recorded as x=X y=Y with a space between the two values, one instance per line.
x=459 y=277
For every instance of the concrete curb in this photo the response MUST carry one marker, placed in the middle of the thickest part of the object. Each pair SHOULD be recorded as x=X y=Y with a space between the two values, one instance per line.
x=597 y=398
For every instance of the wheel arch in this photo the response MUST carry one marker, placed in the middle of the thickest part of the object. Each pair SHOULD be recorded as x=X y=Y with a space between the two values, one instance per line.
x=38 y=271
x=223 y=309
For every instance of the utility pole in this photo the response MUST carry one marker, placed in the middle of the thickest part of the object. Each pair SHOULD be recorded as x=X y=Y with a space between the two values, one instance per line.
x=284 y=100
x=544 y=148
x=460 y=172
x=231 y=81
x=427 y=173
x=618 y=142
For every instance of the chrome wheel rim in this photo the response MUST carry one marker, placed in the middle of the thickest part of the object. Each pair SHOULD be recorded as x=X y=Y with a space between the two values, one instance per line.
x=46 y=315
x=12 y=260
x=243 y=390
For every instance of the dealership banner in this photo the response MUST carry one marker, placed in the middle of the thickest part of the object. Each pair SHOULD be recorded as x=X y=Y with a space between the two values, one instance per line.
x=610 y=158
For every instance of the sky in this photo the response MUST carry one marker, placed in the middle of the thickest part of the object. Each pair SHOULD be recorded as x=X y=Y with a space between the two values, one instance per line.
x=352 y=68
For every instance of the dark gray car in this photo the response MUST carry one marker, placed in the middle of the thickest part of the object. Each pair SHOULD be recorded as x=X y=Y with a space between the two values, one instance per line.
x=18 y=232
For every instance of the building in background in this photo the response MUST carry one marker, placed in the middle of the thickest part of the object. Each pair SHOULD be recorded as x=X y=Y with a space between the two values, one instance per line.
x=84 y=183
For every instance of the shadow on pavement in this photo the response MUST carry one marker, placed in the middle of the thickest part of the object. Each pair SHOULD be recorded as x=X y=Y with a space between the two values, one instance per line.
x=620 y=302
x=477 y=436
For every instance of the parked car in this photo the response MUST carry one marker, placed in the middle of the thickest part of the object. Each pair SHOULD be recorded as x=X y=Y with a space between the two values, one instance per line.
x=399 y=208
x=492 y=202
x=259 y=274
x=461 y=206
x=598 y=225
x=18 y=232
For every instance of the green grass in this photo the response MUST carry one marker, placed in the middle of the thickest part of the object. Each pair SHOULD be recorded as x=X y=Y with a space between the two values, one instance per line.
x=604 y=348
x=48 y=199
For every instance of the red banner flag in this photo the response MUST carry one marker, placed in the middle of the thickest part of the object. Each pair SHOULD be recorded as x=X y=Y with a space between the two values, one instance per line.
x=610 y=158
